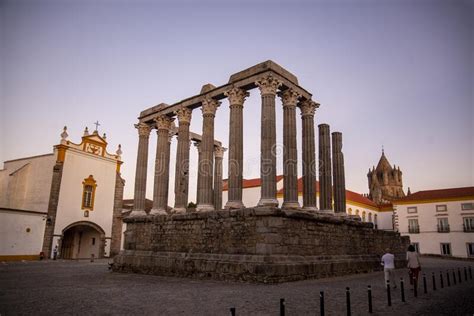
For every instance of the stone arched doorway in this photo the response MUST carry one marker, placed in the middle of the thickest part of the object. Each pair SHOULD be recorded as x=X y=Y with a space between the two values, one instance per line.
x=81 y=240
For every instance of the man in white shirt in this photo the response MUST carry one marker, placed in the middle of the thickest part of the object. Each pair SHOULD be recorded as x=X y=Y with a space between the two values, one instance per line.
x=388 y=262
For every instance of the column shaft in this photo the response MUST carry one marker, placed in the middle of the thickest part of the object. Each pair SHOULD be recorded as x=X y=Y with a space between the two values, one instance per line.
x=308 y=109
x=236 y=99
x=141 y=170
x=205 y=193
x=338 y=174
x=290 y=154
x=162 y=166
x=182 y=161
x=197 y=144
x=325 y=181
x=218 y=155
x=268 y=87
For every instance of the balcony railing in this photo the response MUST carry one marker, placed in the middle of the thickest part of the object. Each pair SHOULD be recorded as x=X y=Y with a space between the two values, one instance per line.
x=414 y=229
x=468 y=229
x=443 y=228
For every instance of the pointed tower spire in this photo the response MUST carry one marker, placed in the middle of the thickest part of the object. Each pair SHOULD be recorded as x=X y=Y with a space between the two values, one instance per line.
x=408 y=192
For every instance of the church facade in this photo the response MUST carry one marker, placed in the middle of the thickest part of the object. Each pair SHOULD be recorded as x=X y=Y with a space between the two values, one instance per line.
x=385 y=182
x=70 y=200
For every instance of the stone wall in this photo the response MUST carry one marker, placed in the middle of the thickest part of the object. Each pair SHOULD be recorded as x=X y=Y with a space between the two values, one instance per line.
x=257 y=245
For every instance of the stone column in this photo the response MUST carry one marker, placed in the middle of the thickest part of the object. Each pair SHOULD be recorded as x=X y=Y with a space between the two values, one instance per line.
x=338 y=174
x=218 y=155
x=182 y=161
x=205 y=194
x=236 y=99
x=268 y=87
x=308 y=108
x=325 y=183
x=290 y=157
x=162 y=166
x=197 y=144
x=140 y=172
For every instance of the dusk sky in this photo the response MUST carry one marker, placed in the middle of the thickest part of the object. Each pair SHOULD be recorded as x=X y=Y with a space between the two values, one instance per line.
x=398 y=74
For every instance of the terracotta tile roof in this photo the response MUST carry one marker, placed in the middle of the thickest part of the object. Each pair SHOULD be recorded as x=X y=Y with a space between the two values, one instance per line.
x=248 y=183
x=350 y=195
x=439 y=194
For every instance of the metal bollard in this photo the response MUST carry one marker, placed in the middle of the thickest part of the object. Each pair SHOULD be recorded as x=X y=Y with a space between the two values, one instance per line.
x=389 y=296
x=402 y=289
x=369 y=294
x=447 y=278
x=92 y=257
x=282 y=307
x=470 y=273
x=321 y=303
x=232 y=311
x=348 y=301
x=425 y=290
x=441 y=279
x=454 y=277
x=459 y=275
x=415 y=287
x=434 y=281
x=465 y=274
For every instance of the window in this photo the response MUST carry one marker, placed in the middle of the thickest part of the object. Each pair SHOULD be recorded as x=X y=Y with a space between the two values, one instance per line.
x=357 y=212
x=470 y=249
x=467 y=206
x=93 y=241
x=441 y=208
x=349 y=211
x=363 y=216
x=370 y=217
x=413 y=227
x=88 y=193
x=412 y=210
x=443 y=225
x=468 y=224
x=417 y=246
x=446 y=249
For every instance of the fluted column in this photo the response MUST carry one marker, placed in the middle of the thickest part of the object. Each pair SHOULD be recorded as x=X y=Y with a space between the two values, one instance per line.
x=182 y=161
x=236 y=99
x=308 y=108
x=140 y=171
x=205 y=194
x=218 y=156
x=325 y=183
x=162 y=166
x=268 y=87
x=338 y=174
x=197 y=144
x=290 y=157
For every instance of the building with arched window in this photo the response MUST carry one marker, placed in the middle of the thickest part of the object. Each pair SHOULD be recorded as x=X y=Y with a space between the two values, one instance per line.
x=70 y=200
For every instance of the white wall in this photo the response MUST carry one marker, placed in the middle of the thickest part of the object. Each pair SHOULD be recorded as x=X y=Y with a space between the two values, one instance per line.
x=14 y=238
x=25 y=183
x=77 y=167
x=429 y=239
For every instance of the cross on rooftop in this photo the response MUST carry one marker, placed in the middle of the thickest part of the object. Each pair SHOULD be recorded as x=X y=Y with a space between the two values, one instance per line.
x=97 y=125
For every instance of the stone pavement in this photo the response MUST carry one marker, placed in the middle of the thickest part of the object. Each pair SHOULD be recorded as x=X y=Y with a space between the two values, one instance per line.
x=85 y=288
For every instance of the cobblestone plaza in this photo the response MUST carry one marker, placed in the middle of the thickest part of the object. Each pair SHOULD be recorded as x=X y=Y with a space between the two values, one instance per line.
x=85 y=288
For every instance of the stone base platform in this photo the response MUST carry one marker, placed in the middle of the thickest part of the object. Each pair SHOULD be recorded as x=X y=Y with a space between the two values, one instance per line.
x=265 y=245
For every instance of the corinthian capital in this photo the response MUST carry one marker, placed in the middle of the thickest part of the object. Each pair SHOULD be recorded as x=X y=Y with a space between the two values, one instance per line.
x=143 y=129
x=163 y=122
x=236 y=96
x=268 y=85
x=184 y=115
x=308 y=107
x=289 y=98
x=209 y=106
x=219 y=151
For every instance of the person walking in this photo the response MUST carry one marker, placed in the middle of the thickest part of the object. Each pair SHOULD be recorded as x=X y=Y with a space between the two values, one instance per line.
x=413 y=264
x=55 y=253
x=388 y=263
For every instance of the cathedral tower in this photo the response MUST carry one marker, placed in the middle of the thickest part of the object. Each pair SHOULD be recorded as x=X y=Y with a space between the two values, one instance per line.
x=385 y=182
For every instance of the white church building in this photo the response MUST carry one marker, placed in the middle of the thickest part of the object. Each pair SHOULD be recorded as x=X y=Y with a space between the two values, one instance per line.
x=70 y=200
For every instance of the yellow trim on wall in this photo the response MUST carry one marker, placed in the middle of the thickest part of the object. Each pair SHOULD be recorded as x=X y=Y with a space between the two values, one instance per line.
x=61 y=153
x=464 y=198
x=19 y=257
x=119 y=164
